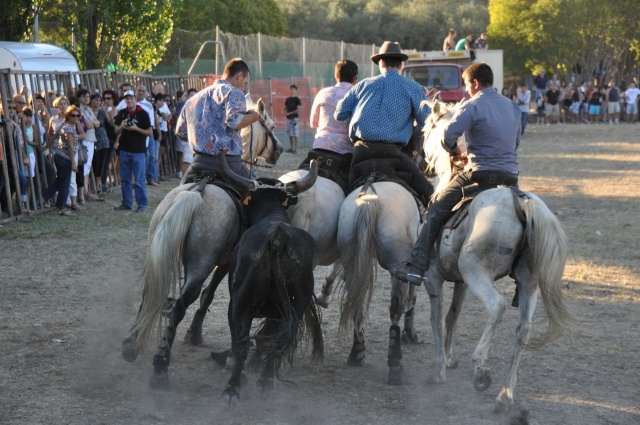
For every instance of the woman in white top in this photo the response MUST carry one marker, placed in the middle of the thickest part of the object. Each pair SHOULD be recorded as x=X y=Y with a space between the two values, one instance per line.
x=90 y=122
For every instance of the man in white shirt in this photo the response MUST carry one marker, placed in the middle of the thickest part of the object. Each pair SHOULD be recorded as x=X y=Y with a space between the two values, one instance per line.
x=152 y=148
x=631 y=95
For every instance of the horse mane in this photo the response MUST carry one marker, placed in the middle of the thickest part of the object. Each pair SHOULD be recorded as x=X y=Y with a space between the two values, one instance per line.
x=437 y=158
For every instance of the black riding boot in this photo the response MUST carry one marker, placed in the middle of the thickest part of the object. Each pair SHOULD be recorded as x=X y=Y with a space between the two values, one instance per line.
x=413 y=270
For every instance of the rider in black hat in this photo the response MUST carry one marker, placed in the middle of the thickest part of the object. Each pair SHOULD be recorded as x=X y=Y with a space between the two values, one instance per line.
x=382 y=111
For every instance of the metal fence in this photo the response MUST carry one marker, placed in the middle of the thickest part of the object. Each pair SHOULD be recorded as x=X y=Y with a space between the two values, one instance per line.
x=267 y=56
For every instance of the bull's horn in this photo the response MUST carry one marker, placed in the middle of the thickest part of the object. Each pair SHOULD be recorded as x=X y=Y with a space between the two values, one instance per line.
x=241 y=183
x=305 y=183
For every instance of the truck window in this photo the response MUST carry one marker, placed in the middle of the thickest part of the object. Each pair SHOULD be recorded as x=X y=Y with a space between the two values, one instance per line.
x=438 y=77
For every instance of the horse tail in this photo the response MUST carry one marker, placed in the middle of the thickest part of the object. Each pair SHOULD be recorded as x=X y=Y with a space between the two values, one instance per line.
x=162 y=265
x=549 y=246
x=312 y=325
x=359 y=259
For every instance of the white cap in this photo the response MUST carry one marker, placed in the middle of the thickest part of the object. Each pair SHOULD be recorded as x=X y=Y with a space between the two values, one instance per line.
x=129 y=93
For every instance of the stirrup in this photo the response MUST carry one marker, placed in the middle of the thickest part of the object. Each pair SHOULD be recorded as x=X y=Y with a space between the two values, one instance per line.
x=408 y=273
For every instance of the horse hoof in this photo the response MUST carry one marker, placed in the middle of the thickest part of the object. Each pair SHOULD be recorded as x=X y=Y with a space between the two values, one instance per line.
x=482 y=379
x=396 y=375
x=160 y=380
x=356 y=360
x=220 y=357
x=513 y=416
x=129 y=351
x=193 y=338
x=231 y=398
x=453 y=364
x=265 y=386
x=411 y=338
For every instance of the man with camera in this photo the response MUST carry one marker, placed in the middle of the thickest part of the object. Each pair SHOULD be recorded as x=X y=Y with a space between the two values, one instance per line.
x=133 y=125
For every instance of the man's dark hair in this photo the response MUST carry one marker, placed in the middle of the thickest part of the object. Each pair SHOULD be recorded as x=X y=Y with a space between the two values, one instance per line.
x=179 y=94
x=293 y=86
x=479 y=71
x=392 y=62
x=236 y=66
x=28 y=112
x=346 y=70
x=192 y=90
x=158 y=96
x=81 y=93
x=123 y=85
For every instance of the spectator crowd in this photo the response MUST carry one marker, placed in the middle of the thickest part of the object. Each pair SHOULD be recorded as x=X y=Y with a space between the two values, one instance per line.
x=76 y=149
x=555 y=101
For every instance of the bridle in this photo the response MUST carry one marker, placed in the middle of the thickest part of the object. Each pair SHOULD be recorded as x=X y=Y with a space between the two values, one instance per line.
x=268 y=135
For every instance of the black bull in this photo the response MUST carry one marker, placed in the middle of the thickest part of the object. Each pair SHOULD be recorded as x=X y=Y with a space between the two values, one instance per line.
x=271 y=277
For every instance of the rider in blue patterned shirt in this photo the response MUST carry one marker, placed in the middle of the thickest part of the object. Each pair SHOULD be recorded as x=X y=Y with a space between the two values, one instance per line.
x=212 y=118
x=382 y=111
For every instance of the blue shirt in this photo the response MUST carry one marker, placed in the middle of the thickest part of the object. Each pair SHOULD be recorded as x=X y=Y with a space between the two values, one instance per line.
x=383 y=108
x=209 y=119
x=491 y=124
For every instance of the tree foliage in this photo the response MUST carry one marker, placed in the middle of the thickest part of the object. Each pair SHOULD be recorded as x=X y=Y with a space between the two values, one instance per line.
x=16 y=19
x=416 y=24
x=132 y=34
x=585 y=39
x=234 y=16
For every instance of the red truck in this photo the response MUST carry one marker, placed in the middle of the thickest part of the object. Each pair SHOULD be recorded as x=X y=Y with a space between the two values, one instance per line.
x=439 y=71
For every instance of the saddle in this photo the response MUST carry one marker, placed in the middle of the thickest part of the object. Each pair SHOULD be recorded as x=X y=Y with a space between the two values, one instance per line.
x=202 y=177
x=461 y=209
x=331 y=165
x=384 y=170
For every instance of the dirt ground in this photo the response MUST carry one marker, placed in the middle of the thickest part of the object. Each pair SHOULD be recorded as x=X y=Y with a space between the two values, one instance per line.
x=69 y=290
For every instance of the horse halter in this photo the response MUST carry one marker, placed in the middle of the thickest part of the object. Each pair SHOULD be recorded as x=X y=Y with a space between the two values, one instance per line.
x=268 y=135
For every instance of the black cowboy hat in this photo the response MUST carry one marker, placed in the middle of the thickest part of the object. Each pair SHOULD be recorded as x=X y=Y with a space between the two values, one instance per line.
x=389 y=49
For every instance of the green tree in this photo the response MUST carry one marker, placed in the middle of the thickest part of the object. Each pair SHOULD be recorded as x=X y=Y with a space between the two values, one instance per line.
x=234 y=16
x=16 y=19
x=132 y=34
x=416 y=24
x=600 y=37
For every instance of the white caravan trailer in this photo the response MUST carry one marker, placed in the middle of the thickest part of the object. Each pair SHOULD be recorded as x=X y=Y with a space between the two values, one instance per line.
x=45 y=65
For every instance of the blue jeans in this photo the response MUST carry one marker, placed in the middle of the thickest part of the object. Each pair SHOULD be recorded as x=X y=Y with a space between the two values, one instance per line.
x=61 y=183
x=152 y=159
x=133 y=165
x=524 y=120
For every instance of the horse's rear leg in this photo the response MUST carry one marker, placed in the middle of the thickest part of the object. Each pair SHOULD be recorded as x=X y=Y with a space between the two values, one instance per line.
x=451 y=321
x=323 y=299
x=527 y=300
x=495 y=304
x=194 y=333
x=357 y=354
x=409 y=333
x=162 y=357
x=399 y=296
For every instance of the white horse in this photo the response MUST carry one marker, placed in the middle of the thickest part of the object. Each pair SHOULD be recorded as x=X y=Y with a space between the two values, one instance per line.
x=196 y=231
x=378 y=224
x=491 y=242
